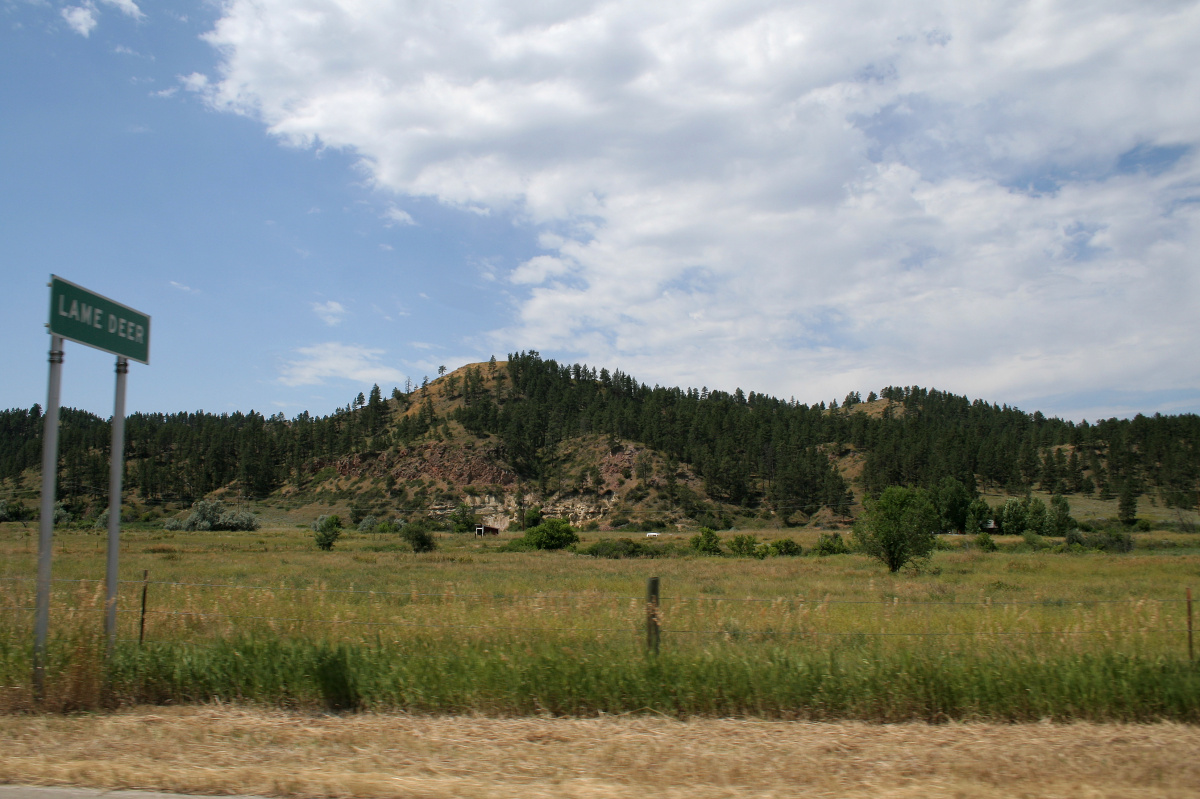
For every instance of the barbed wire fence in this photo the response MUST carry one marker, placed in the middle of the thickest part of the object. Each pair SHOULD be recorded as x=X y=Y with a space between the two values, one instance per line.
x=653 y=612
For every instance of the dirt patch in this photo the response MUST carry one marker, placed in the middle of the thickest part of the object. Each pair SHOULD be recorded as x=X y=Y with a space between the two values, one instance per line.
x=219 y=750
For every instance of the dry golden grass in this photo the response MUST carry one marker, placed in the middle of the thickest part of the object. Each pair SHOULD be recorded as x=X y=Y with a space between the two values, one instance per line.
x=217 y=750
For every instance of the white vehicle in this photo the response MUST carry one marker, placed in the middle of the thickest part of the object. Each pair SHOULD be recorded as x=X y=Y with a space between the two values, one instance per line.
x=651 y=535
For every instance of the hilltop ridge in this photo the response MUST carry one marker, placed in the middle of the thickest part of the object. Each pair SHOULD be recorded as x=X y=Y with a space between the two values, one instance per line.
x=600 y=447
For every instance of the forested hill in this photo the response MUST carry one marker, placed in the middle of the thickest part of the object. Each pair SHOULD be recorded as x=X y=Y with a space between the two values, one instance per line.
x=749 y=450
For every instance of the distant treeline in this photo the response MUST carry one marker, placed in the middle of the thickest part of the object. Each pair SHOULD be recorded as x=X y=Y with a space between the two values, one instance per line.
x=750 y=449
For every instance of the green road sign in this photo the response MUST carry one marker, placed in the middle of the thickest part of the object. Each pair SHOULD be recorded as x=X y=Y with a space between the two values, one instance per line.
x=79 y=315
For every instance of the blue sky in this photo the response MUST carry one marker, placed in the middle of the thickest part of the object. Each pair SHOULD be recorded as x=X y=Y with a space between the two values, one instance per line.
x=311 y=196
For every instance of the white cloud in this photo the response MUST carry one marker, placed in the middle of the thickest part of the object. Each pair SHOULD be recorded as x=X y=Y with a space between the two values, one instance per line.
x=196 y=82
x=995 y=198
x=126 y=7
x=183 y=288
x=331 y=313
x=82 y=19
x=398 y=216
x=337 y=361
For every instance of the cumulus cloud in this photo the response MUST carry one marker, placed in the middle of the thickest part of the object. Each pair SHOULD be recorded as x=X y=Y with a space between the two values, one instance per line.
x=82 y=19
x=996 y=198
x=331 y=313
x=333 y=360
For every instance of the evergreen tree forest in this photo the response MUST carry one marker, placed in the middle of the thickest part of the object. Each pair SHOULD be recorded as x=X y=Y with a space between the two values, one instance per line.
x=751 y=450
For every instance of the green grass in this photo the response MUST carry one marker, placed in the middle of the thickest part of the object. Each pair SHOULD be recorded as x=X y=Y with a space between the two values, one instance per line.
x=1005 y=636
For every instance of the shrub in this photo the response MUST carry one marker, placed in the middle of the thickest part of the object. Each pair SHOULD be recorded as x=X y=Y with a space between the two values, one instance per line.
x=551 y=534
x=237 y=520
x=706 y=542
x=328 y=530
x=13 y=511
x=1112 y=541
x=419 y=535
x=830 y=544
x=620 y=548
x=61 y=515
x=786 y=548
x=985 y=542
x=172 y=524
x=743 y=545
x=368 y=524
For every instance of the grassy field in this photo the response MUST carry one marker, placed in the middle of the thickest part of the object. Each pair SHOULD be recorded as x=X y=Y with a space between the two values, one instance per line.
x=266 y=618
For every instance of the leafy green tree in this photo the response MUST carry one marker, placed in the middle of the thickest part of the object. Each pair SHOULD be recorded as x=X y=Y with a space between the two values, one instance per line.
x=328 y=530
x=898 y=528
x=1016 y=517
x=419 y=535
x=533 y=516
x=978 y=514
x=551 y=534
x=464 y=519
x=1037 y=519
x=952 y=501
x=1060 y=515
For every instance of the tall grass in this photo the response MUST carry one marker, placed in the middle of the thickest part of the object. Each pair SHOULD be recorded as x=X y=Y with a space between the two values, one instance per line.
x=265 y=618
x=857 y=680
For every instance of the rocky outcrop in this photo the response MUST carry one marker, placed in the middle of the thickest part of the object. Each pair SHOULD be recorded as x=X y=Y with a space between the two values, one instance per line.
x=456 y=466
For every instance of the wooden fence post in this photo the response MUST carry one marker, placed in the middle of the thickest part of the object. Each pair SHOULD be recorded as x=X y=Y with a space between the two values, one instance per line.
x=1191 y=651
x=142 y=625
x=652 y=631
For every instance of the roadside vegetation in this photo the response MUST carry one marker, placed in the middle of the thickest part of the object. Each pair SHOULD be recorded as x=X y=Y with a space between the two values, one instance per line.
x=268 y=618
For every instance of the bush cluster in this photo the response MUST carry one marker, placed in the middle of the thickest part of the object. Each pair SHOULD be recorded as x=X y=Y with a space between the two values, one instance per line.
x=211 y=515
x=830 y=544
x=1104 y=540
x=12 y=511
x=622 y=548
x=743 y=545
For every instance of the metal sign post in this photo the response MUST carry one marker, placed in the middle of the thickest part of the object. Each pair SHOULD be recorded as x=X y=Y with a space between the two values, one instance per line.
x=77 y=314
x=116 y=471
x=41 y=619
